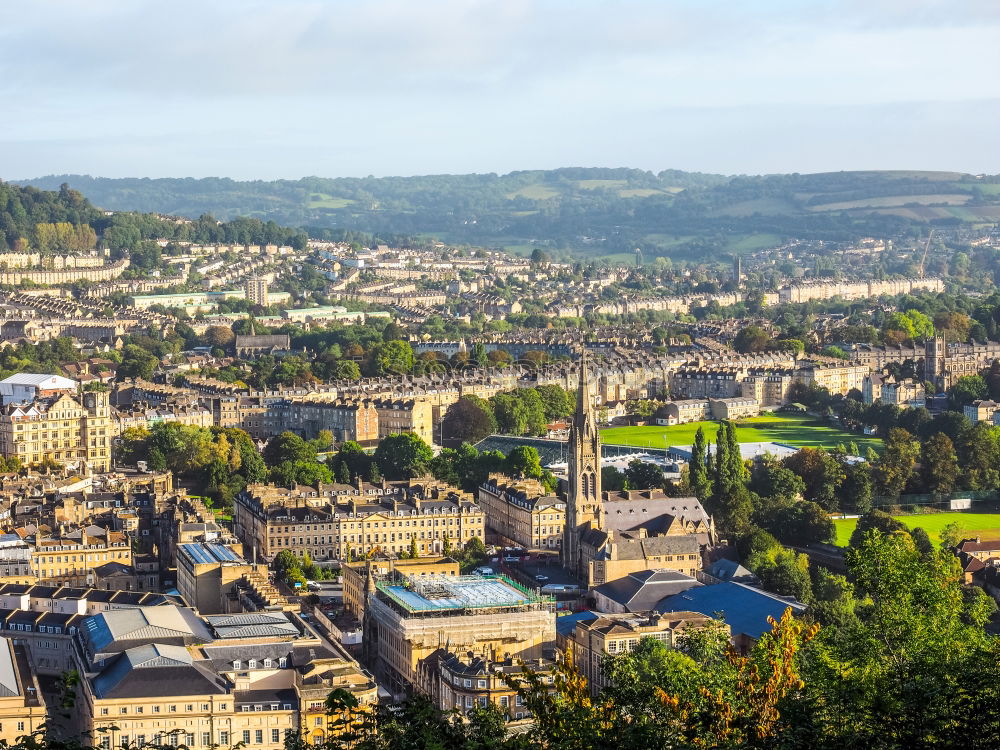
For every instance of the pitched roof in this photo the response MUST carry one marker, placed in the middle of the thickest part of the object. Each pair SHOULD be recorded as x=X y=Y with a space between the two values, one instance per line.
x=642 y=591
x=744 y=608
x=154 y=670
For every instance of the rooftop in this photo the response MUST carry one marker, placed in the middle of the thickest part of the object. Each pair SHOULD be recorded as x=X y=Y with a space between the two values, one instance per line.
x=439 y=593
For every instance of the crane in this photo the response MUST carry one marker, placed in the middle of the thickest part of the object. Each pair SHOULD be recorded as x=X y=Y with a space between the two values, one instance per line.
x=927 y=246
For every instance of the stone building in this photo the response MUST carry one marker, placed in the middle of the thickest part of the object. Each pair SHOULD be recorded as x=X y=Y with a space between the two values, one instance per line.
x=71 y=430
x=339 y=521
x=521 y=513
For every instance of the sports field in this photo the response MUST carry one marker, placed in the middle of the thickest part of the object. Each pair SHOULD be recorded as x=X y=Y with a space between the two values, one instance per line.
x=971 y=523
x=793 y=429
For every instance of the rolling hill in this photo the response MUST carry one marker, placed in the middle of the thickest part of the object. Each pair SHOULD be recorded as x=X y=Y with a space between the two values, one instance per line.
x=596 y=212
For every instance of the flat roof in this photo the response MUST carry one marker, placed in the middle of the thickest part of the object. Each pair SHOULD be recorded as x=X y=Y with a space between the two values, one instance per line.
x=202 y=553
x=437 y=593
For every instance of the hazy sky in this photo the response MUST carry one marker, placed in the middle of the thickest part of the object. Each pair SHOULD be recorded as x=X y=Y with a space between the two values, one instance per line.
x=289 y=88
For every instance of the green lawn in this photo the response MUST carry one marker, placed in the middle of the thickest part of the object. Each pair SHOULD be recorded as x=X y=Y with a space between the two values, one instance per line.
x=322 y=200
x=777 y=428
x=972 y=523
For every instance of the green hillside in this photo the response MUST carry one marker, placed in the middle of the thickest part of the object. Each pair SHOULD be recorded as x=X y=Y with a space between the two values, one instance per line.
x=595 y=212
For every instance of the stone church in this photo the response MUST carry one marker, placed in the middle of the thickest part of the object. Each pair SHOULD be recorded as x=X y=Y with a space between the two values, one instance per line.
x=609 y=535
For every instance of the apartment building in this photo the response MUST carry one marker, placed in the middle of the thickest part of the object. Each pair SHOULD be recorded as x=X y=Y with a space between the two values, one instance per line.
x=410 y=618
x=521 y=512
x=74 y=557
x=340 y=521
x=355 y=576
x=165 y=676
x=22 y=710
x=405 y=415
x=598 y=634
x=66 y=429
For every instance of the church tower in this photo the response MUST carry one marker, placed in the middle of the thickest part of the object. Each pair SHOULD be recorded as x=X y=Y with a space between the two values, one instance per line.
x=583 y=500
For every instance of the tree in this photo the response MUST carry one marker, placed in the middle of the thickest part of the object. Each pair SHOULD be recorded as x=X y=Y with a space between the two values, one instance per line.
x=346 y=369
x=393 y=358
x=967 y=389
x=979 y=451
x=642 y=475
x=612 y=480
x=895 y=467
x=697 y=467
x=136 y=363
x=288 y=447
x=219 y=337
x=752 y=339
x=468 y=420
x=939 y=465
x=556 y=401
x=877 y=520
x=821 y=473
x=403 y=456
x=857 y=488
x=524 y=462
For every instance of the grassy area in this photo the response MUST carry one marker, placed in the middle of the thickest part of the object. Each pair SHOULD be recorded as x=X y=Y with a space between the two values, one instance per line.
x=972 y=524
x=753 y=242
x=595 y=184
x=535 y=192
x=893 y=200
x=322 y=200
x=792 y=429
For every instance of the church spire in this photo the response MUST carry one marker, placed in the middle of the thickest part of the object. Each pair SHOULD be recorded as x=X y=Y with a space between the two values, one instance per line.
x=583 y=501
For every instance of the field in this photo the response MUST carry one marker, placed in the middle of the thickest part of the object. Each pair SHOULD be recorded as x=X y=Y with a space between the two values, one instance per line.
x=790 y=429
x=322 y=200
x=535 y=192
x=897 y=200
x=971 y=522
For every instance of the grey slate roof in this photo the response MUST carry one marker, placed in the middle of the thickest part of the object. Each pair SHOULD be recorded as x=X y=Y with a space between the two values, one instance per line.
x=642 y=591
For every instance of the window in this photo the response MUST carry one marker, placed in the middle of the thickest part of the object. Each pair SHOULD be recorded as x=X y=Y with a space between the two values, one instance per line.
x=223 y=738
x=236 y=664
x=246 y=736
x=258 y=736
x=173 y=709
x=275 y=735
x=206 y=738
x=123 y=709
x=252 y=664
x=282 y=661
x=467 y=683
x=156 y=709
x=104 y=712
x=267 y=663
x=189 y=707
x=482 y=683
x=205 y=707
x=20 y=726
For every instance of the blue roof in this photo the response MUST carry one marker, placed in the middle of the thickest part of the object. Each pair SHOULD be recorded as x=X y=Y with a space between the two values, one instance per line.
x=566 y=624
x=209 y=553
x=744 y=608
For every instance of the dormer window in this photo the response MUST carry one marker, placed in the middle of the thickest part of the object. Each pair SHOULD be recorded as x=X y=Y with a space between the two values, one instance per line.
x=267 y=663
x=282 y=662
x=252 y=664
x=236 y=664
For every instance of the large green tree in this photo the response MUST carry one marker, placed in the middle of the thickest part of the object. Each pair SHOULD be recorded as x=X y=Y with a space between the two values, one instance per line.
x=403 y=456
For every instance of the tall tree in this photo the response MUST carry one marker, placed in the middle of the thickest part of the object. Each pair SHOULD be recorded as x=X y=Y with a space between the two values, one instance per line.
x=895 y=466
x=939 y=465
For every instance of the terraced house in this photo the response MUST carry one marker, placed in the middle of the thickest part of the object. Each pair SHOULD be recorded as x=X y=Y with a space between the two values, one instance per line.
x=338 y=521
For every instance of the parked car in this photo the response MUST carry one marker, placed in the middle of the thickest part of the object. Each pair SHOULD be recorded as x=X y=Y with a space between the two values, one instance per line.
x=541 y=578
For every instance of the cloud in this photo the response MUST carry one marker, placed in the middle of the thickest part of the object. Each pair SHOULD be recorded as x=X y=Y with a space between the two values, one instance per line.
x=503 y=82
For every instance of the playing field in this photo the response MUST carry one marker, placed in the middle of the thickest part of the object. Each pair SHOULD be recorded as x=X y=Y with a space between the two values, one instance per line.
x=792 y=429
x=970 y=522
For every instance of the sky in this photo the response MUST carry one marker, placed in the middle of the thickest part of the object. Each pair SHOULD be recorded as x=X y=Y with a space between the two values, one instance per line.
x=288 y=88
